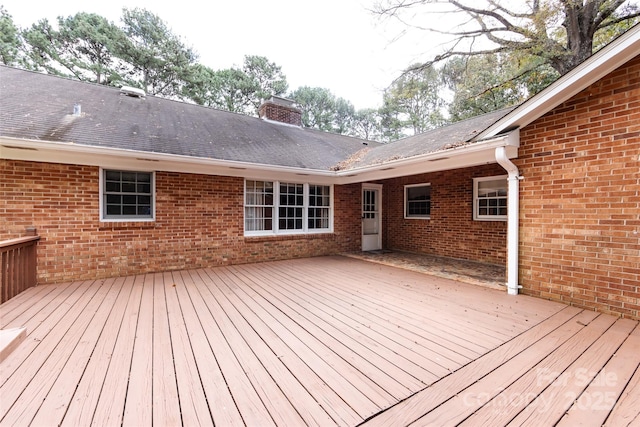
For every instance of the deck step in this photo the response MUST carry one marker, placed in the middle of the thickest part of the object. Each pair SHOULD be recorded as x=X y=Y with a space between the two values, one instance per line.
x=10 y=339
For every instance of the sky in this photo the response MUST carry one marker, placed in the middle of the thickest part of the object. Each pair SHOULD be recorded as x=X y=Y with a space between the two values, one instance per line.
x=335 y=44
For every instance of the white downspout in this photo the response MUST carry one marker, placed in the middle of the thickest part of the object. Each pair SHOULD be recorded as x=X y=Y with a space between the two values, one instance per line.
x=513 y=215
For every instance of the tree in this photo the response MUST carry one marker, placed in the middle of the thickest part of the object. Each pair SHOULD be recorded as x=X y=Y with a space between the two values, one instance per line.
x=9 y=39
x=158 y=61
x=317 y=105
x=367 y=124
x=87 y=43
x=200 y=87
x=322 y=110
x=479 y=86
x=391 y=121
x=41 y=48
x=232 y=90
x=414 y=98
x=343 y=114
x=267 y=78
x=560 y=32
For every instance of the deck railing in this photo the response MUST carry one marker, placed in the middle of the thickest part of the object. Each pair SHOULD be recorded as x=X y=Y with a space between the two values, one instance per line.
x=17 y=266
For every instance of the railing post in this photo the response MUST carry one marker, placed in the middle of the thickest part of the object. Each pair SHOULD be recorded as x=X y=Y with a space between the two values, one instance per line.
x=18 y=264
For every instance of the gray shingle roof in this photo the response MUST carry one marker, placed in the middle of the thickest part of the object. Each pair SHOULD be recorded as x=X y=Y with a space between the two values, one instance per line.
x=38 y=106
x=451 y=136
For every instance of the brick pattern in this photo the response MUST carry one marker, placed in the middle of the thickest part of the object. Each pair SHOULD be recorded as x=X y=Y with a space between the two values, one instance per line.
x=280 y=113
x=451 y=230
x=579 y=217
x=580 y=199
x=199 y=223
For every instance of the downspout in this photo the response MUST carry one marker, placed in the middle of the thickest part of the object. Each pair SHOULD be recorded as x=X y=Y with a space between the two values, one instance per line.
x=513 y=215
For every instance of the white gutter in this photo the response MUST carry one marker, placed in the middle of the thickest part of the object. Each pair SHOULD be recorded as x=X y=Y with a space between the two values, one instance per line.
x=513 y=216
x=67 y=152
x=70 y=153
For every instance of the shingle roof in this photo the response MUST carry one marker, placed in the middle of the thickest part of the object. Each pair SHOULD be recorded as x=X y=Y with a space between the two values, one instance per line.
x=451 y=136
x=38 y=106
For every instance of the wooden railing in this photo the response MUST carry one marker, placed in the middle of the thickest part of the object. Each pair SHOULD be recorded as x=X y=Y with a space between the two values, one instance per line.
x=17 y=266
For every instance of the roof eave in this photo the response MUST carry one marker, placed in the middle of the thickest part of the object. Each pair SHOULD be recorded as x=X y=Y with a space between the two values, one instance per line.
x=609 y=58
x=474 y=154
x=106 y=157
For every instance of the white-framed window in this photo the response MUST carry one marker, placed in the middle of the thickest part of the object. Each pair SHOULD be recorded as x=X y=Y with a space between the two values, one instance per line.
x=417 y=201
x=319 y=210
x=490 y=198
x=127 y=195
x=273 y=207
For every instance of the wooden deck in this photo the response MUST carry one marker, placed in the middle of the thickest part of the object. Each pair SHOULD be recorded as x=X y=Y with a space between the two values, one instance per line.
x=321 y=341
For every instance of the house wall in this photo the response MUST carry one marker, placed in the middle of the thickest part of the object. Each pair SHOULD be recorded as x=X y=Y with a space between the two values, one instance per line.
x=199 y=223
x=580 y=198
x=451 y=230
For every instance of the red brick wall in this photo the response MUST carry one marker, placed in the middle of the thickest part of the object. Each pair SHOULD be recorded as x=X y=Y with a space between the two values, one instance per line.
x=199 y=223
x=451 y=231
x=280 y=113
x=580 y=199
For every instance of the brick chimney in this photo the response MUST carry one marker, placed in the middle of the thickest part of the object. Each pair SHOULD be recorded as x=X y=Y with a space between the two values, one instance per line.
x=280 y=110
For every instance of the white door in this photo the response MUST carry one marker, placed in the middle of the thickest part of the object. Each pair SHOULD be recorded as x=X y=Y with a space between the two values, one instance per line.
x=371 y=217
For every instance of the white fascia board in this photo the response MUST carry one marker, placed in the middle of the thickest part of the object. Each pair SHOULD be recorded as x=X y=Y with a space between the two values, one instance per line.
x=612 y=56
x=106 y=157
x=475 y=154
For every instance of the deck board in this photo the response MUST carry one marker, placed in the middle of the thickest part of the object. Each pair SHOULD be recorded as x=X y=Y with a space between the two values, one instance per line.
x=269 y=348
x=193 y=402
x=239 y=334
x=549 y=405
x=411 y=409
x=246 y=396
x=457 y=409
x=56 y=402
x=393 y=379
x=377 y=315
x=322 y=341
x=138 y=405
x=617 y=383
x=564 y=364
x=42 y=364
x=396 y=338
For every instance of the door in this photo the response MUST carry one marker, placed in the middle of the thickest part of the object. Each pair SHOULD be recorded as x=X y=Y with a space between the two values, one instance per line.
x=371 y=217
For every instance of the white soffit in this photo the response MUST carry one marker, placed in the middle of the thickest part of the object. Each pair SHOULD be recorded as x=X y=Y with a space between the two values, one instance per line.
x=609 y=58
x=475 y=154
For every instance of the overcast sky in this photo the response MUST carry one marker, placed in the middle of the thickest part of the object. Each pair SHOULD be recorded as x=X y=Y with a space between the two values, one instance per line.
x=335 y=44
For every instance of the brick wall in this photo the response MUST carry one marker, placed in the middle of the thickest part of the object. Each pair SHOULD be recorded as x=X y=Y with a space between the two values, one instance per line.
x=199 y=223
x=580 y=199
x=451 y=231
x=280 y=113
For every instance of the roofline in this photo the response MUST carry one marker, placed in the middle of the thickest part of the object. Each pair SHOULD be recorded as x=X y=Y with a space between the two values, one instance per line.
x=601 y=63
x=474 y=154
x=71 y=153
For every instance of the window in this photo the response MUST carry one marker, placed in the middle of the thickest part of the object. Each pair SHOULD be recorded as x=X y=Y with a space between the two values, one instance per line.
x=286 y=208
x=258 y=211
x=490 y=198
x=417 y=201
x=319 y=207
x=127 y=195
x=291 y=206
